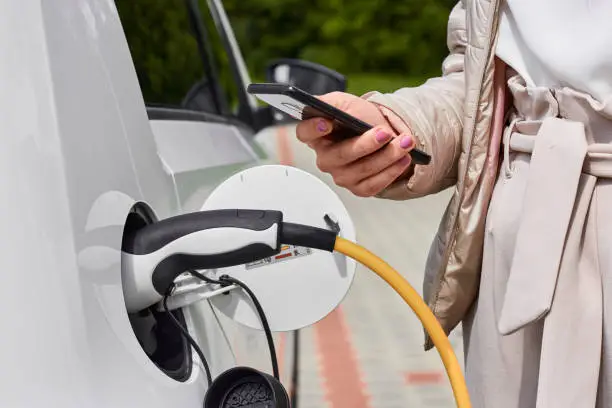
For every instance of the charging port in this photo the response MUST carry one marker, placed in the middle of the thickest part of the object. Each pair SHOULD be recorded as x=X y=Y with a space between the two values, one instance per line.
x=160 y=339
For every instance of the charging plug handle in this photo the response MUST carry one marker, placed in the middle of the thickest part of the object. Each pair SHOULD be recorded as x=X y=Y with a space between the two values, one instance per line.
x=156 y=236
x=154 y=256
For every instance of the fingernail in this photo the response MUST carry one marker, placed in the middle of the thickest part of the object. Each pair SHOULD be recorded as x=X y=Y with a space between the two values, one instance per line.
x=405 y=160
x=322 y=126
x=406 y=142
x=382 y=136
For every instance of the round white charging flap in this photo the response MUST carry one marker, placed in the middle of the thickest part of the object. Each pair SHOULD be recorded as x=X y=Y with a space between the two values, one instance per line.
x=299 y=286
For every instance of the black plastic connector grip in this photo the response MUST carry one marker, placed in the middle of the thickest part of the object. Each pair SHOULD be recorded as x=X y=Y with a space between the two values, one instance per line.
x=307 y=236
x=156 y=236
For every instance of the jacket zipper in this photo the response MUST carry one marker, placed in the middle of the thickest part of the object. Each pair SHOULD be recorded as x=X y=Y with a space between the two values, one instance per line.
x=453 y=233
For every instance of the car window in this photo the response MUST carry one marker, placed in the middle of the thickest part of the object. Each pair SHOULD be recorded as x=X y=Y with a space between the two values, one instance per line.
x=220 y=56
x=178 y=55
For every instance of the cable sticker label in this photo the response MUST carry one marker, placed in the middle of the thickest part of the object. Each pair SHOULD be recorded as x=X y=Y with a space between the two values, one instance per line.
x=287 y=253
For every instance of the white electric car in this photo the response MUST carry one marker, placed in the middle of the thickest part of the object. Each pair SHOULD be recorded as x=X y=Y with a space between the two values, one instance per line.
x=85 y=157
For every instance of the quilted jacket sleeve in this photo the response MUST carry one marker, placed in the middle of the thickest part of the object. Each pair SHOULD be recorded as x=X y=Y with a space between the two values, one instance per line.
x=433 y=113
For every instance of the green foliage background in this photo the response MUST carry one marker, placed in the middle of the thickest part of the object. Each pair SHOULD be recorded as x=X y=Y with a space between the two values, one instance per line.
x=402 y=37
x=374 y=42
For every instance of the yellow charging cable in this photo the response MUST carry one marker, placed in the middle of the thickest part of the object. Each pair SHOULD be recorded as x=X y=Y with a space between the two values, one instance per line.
x=416 y=303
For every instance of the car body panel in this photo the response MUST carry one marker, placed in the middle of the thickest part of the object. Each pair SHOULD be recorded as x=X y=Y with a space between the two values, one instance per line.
x=75 y=153
x=78 y=151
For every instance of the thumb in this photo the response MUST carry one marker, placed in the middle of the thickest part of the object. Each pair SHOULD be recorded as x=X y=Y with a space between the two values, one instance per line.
x=310 y=130
x=339 y=100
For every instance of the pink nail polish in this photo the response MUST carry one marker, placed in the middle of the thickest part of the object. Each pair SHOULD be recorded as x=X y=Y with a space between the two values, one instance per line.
x=406 y=142
x=404 y=161
x=322 y=126
x=382 y=136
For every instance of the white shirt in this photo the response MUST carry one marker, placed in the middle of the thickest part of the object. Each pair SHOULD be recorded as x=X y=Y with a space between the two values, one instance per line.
x=559 y=43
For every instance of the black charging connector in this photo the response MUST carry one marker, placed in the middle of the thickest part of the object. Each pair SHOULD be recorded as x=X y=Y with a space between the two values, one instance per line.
x=307 y=236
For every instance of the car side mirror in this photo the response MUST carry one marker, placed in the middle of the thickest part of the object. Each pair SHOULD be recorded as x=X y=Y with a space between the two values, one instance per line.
x=310 y=77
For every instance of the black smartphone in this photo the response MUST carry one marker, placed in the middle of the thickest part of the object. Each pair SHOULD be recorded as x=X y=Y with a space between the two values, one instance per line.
x=301 y=105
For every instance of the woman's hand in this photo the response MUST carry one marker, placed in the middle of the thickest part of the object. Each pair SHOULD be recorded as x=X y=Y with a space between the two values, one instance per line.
x=367 y=164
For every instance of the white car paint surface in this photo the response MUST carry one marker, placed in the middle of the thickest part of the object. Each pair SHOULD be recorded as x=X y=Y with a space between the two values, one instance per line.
x=77 y=152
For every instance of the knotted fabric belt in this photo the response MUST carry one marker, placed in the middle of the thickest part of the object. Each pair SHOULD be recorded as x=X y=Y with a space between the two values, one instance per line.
x=555 y=275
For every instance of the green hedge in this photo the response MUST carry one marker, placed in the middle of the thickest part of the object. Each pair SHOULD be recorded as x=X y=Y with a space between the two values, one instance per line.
x=360 y=38
x=405 y=37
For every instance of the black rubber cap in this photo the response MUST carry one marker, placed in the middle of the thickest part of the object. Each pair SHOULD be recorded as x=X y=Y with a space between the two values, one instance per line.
x=244 y=387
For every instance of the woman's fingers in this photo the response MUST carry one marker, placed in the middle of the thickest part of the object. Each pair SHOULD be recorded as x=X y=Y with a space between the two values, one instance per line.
x=364 y=164
x=311 y=130
x=373 y=185
x=330 y=156
x=373 y=164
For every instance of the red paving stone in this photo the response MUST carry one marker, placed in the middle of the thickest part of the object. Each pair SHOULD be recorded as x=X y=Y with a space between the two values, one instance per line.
x=280 y=353
x=344 y=387
x=284 y=151
x=423 y=377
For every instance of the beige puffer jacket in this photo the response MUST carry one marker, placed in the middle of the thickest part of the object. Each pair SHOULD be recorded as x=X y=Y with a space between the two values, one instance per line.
x=452 y=118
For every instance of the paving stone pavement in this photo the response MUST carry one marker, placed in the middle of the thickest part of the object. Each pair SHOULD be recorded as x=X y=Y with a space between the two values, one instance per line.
x=386 y=338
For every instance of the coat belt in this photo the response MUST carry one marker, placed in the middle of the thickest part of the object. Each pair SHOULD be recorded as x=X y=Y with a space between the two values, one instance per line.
x=554 y=274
